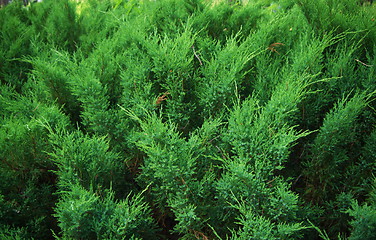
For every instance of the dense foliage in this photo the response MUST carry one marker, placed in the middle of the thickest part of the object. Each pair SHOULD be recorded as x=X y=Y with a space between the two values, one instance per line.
x=188 y=119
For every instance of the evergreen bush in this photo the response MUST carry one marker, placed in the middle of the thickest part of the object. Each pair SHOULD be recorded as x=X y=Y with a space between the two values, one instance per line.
x=187 y=119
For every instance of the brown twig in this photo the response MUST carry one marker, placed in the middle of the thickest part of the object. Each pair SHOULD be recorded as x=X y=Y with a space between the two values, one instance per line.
x=269 y=182
x=196 y=55
x=273 y=46
x=363 y=63
x=161 y=98
x=199 y=235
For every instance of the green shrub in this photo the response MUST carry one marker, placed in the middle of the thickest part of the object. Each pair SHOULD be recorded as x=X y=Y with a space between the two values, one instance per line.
x=364 y=223
x=86 y=214
x=332 y=148
x=188 y=119
x=27 y=185
x=15 y=41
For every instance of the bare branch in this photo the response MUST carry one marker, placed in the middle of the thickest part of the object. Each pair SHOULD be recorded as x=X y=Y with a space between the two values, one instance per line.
x=363 y=63
x=196 y=55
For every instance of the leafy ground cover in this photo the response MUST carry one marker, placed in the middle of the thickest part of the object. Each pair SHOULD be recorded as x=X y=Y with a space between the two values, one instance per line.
x=188 y=119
